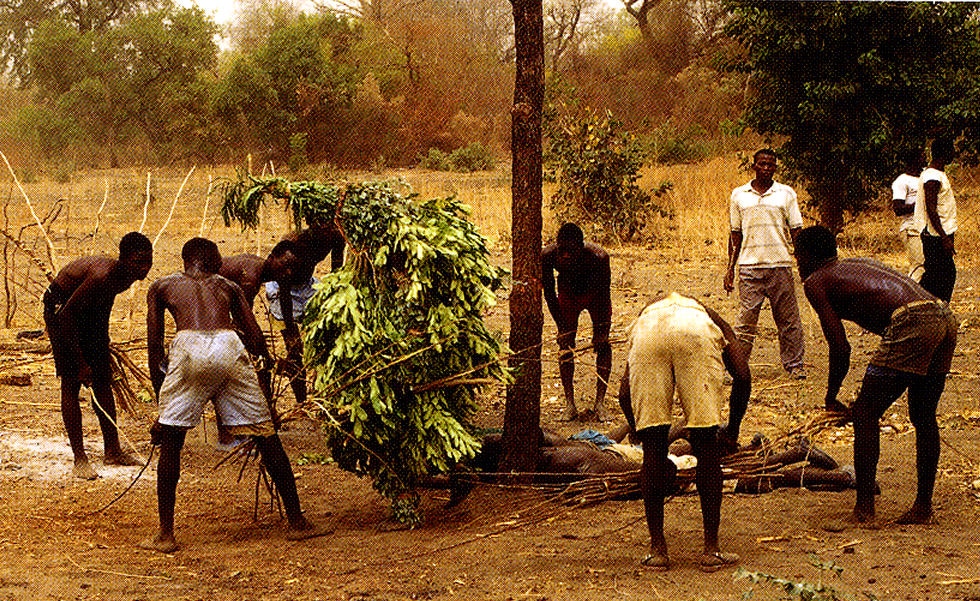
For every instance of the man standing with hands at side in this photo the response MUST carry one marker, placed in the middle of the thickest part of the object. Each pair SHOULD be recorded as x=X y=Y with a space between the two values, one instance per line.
x=935 y=217
x=760 y=213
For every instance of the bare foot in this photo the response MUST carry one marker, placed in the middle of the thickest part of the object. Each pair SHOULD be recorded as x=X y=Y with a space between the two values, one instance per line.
x=159 y=543
x=568 y=414
x=865 y=519
x=600 y=413
x=83 y=470
x=121 y=458
x=915 y=515
x=305 y=530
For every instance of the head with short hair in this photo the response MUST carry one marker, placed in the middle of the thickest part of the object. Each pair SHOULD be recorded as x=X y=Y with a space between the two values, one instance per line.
x=913 y=158
x=763 y=152
x=281 y=263
x=203 y=252
x=814 y=246
x=943 y=150
x=135 y=255
x=569 y=243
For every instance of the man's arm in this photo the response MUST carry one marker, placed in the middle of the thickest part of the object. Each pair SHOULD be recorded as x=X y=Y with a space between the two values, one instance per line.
x=604 y=277
x=625 y=400
x=793 y=233
x=839 y=349
x=337 y=253
x=548 y=280
x=901 y=209
x=931 y=191
x=734 y=248
x=155 y=312
x=736 y=359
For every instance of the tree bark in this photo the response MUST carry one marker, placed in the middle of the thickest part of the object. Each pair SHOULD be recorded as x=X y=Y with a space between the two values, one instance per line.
x=522 y=415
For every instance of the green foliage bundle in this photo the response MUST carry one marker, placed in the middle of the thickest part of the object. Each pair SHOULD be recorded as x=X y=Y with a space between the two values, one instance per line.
x=596 y=165
x=395 y=339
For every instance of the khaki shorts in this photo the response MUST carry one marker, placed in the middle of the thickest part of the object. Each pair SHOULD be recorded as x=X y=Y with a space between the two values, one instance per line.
x=212 y=366
x=920 y=339
x=676 y=348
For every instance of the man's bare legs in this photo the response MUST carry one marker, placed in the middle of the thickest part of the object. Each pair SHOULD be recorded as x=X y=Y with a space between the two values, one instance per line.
x=168 y=474
x=566 y=364
x=293 y=367
x=656 y=481
x=105 y=410
x=603 y=363
x=879 y=389
x=924 y=393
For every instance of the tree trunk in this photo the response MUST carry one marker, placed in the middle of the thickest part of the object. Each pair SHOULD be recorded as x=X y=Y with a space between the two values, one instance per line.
x=831 y=207
x=522 y=415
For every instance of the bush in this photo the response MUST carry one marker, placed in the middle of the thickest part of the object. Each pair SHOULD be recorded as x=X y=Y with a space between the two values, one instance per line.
x=436 y=160
x=475 y=157
x=596 y=165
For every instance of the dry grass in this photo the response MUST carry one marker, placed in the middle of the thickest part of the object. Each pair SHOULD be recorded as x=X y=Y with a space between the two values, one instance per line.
x=698 y=228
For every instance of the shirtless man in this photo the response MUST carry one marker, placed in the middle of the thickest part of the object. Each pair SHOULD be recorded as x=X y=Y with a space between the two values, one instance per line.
x=310 y=247
x=209 y=362
x=918 y=336
x=583 y=284
x=250 y=272
x=77 y=306
x=680 y=345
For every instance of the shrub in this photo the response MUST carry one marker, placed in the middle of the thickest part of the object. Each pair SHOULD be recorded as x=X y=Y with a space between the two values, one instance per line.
x=436 y=160
x=474 y=157
x=596 y=165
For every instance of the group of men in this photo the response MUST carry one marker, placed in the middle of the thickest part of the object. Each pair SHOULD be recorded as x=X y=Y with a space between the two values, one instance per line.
x=682 y=348
x=218 y=354
x=678 y=346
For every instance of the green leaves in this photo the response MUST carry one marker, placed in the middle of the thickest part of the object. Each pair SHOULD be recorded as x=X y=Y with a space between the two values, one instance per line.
x=596 y=165
x=395 y=340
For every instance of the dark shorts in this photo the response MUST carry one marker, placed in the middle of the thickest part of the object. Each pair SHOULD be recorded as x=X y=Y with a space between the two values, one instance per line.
x=92 y=339
x=920 y=339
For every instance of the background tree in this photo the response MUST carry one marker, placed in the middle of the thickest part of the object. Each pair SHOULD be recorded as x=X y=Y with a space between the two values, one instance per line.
x=522 y=414
x=849 y=94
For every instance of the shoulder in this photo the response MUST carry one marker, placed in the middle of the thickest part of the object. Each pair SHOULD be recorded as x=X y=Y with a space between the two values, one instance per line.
x=746 y=187
x=597 y=251
x=784 y=189
x=165 y=282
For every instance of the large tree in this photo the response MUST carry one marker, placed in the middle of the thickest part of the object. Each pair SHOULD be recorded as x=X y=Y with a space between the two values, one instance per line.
x=849 y=85
x=523 y=411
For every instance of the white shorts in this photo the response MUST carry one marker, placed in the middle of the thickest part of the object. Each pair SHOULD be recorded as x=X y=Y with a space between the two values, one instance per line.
x=675 y=346
x=211 y=366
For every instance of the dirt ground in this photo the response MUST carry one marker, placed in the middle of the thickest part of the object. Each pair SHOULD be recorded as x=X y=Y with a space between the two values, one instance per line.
x=55 y=544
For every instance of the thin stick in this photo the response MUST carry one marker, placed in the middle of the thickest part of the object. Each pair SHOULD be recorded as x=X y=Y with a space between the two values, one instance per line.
x=146 y=203
x=207 y=201
x=173 y=206
x=49 y=405
x=98 y=216
x=30 y=206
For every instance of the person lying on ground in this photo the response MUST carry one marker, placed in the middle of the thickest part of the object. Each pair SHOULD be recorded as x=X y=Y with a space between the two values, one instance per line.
x=209 y=361
x=77 y=306
x=918 y=337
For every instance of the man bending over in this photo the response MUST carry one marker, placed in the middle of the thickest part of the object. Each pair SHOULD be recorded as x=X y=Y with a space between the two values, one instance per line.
x=918 y=336
x=77 y=306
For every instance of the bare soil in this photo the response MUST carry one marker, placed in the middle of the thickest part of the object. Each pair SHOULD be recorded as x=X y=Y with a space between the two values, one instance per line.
x=56 y=544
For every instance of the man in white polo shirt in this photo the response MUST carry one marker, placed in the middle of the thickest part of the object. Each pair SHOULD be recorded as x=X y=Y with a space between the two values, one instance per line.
x=760 y=213
x=935 y=217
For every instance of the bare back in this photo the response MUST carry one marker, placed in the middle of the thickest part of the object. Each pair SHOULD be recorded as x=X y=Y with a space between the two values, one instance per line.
x=246 y=271
x=204 y=303
x=863 y=291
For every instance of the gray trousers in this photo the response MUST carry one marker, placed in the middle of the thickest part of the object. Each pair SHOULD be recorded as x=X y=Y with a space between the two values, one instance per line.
x=755 y=285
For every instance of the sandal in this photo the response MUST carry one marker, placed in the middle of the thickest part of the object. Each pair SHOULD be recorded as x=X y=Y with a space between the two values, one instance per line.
x=656 y=562
x=712 y=562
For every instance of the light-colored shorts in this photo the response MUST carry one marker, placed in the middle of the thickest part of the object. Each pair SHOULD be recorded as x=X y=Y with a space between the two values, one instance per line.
x=676 y=347
x=212 y=366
